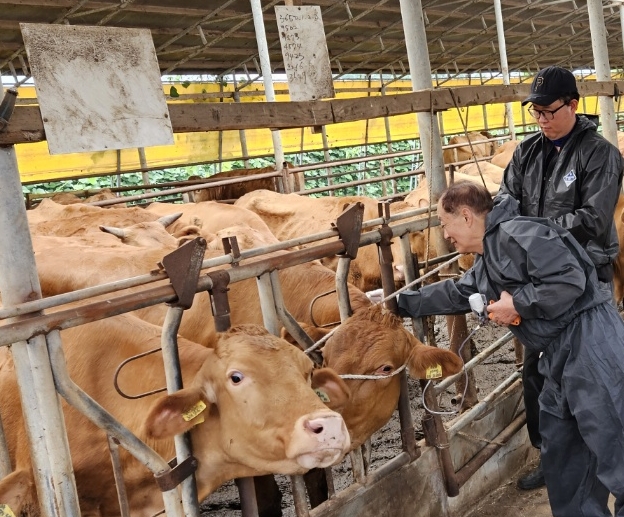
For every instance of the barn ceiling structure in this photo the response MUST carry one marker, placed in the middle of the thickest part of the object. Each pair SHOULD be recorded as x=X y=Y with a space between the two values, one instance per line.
x=217 y=41
x=217 y=37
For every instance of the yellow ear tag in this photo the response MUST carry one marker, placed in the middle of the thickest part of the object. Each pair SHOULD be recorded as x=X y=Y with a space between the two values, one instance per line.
x=322 y=395
x=193 y=411
x=433 y=372
x=5 y=511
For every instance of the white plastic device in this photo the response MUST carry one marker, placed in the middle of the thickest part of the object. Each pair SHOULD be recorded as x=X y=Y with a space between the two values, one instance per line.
x=477 y=304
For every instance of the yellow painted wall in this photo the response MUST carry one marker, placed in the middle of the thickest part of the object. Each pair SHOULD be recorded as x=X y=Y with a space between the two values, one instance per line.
x=37 y=165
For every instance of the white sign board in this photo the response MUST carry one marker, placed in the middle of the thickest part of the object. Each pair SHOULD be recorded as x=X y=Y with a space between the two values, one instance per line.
x=99 y=88
x=304 y=48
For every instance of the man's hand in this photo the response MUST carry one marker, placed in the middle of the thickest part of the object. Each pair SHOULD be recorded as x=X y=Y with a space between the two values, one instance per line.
x=375 y=296
x=503 y=311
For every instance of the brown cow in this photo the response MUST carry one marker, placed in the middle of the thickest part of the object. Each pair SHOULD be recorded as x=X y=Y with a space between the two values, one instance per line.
x=290 y=216
x=69 y=198
x=374 y=342
x=502 y=155
x=262 y=415
x=300 y=285
x=491 y=173
x=480 y=148
x=237 y=190
x=50 y=218
x=209 y=216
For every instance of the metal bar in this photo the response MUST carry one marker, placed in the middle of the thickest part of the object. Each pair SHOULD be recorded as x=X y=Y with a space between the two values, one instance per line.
x=247 y=493
x=77 y=398
x=600 y=50
x=508 y=384
x=476 y=360
x=316 y=252
x=299 y=496
x=179 y=190
x=267 y=304
x=122 y=494
x=502 y=51
x=265 y=65
x=342 y=289
x=479 y=459
x=173 y=376
x=43 y=417
x=357 y=465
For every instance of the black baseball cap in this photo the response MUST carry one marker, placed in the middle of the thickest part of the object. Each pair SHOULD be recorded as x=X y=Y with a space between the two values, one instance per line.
x=551 y=84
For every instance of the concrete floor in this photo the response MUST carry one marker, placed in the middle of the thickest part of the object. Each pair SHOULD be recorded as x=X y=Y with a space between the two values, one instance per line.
x=509 y=501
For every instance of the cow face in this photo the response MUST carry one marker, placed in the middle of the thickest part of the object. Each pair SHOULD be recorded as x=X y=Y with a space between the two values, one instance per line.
x=374 y=342
x=261 y=412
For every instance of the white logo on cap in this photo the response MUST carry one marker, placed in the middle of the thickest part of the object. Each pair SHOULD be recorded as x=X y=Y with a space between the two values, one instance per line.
x=539 y=82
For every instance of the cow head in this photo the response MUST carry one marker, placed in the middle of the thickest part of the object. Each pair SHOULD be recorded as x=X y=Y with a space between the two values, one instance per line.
x=251 y=410
x=153 y=234
x=374 y=342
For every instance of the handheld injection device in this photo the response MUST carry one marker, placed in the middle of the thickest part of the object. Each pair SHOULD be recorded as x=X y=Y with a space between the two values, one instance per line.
x=477 y=304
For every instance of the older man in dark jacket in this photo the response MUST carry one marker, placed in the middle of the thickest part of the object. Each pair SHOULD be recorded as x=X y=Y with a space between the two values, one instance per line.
x=535 y=269
x=572 y=175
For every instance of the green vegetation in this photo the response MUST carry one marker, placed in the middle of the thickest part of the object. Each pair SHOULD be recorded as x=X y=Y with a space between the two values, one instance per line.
x=338 y=174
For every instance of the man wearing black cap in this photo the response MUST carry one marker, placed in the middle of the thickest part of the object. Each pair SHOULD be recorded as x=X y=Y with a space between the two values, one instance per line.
x=572 y=175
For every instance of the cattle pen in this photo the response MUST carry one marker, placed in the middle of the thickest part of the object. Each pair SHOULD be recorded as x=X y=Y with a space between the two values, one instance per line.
x=234 y=81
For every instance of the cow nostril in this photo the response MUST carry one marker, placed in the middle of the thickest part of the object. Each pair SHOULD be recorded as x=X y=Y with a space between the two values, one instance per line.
x=315 y=427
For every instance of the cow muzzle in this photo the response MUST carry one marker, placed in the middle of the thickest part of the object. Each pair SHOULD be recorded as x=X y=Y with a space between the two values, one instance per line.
x=319 y=439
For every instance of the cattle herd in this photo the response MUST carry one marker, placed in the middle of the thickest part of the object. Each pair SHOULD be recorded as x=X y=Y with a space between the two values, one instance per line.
x=253 y=403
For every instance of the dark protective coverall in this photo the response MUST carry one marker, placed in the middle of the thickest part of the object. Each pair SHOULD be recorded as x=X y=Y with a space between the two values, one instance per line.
x=578 y=188
x=566 y=316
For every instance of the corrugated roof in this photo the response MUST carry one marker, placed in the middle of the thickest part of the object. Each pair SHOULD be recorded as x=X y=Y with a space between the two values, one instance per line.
x=363 y=36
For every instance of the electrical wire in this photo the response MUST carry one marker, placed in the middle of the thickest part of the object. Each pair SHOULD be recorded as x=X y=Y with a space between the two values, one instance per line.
x=458 y=410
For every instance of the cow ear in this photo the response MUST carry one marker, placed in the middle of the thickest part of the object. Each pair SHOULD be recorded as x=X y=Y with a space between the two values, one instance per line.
x=330 y=388
x=17 y=491
x=429 y=362
x=176 y=413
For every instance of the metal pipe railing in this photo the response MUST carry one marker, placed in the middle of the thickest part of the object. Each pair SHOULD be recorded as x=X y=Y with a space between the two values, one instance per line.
x=77 y=398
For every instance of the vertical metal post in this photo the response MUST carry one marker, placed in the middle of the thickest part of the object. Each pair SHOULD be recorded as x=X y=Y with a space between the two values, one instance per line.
x=122 y=493
x=267 y=304
x=420 y=72
x=502 y=50
x=603 y=69
x=328 y=170
x=265 y=65
x=43 y=417
x=144 y=172
x=173 y=376
x=241 y=132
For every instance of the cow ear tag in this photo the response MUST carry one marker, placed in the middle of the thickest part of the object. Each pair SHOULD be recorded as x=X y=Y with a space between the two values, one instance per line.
x=322 y=395
x=433 y=372
x=194 y=411
x=5 y=511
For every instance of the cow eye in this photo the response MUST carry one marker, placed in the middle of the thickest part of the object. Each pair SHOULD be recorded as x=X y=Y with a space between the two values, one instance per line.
x=236 y=377
x=385 y=369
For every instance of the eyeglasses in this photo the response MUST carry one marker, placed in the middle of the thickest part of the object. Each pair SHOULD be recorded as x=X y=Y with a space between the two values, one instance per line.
x=548 y=114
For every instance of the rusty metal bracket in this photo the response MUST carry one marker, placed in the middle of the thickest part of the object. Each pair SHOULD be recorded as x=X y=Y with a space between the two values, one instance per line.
x=219 y=299
x=230 y=247
x=6 y=107
x=183 y=267
x=385 y=252
x=178 y=473
x=383 y=209
x=349 y=226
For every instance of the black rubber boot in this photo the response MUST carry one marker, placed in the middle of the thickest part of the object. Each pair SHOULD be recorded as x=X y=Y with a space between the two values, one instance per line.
x=534 y=479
